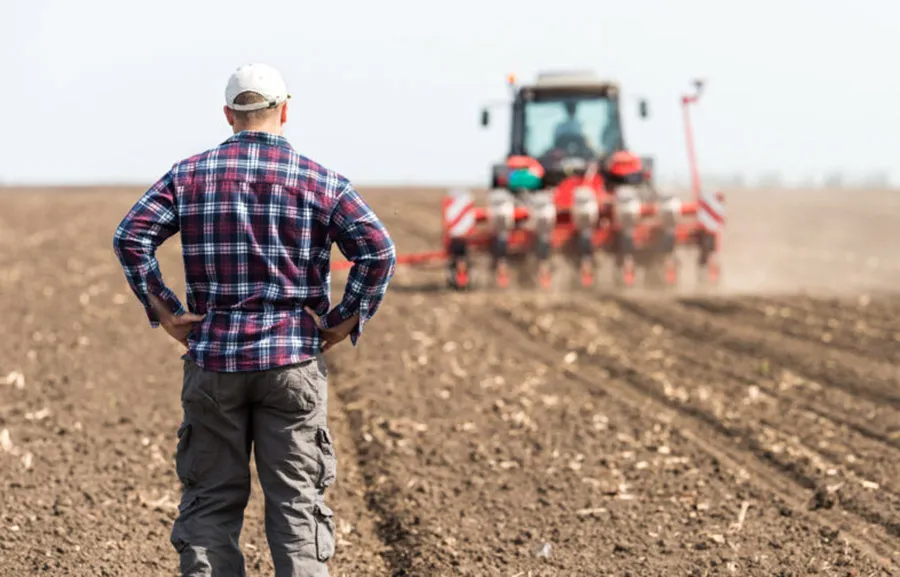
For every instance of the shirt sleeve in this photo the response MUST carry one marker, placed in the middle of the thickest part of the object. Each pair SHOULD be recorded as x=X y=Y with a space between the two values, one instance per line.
x=147 y=225
x=363 y=240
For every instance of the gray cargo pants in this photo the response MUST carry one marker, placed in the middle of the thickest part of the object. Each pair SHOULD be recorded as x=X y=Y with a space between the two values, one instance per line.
x=281 y=414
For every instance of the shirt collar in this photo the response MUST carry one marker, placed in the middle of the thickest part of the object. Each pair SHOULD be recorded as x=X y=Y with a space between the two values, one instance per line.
x=259 y=137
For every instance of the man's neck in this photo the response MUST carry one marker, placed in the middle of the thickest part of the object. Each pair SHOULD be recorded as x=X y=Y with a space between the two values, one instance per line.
x=251 y=128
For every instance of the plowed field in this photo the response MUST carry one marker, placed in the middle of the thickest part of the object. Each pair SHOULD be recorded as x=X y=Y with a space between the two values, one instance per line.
x=517 y=433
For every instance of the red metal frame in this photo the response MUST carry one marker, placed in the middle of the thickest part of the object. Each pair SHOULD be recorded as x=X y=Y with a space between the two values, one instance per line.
x=403 y=259
x=686 y=101
x=521 y=240
x=696 y=186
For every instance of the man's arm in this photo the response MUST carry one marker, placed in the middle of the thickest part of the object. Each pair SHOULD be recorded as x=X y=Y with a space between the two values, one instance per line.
x=147 y=225
x=364 y=241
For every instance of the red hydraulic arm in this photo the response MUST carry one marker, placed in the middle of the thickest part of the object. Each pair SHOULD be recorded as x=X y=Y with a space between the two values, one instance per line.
x=403 y=259
x=686 y=101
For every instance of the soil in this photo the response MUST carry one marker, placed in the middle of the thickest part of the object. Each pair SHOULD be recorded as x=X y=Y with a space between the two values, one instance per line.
x=753 y=431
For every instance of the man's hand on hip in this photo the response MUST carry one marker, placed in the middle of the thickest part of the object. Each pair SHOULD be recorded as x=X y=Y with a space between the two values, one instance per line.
x=178 y=327
x=334 y=335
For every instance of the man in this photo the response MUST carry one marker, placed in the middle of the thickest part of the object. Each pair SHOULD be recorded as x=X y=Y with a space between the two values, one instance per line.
x=570 y=131
x=571 y=126
x=257 y=221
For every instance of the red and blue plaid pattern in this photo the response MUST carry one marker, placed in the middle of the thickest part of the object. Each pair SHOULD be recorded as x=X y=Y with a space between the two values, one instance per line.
x=257 y=222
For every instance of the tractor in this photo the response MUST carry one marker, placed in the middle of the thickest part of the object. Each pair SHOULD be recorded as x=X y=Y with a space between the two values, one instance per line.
x=570 y=186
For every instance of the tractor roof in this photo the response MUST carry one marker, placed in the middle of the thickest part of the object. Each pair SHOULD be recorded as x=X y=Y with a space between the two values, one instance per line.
x=572 y=79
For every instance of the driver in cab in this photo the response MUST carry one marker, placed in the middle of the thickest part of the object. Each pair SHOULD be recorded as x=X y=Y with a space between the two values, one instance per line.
x=571 y=129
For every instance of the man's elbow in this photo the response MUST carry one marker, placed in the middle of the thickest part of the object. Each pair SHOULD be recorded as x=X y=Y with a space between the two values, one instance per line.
x=392 y=253
x=118 y=241
x=122 y=242
x=390 y=259
x=383 y=263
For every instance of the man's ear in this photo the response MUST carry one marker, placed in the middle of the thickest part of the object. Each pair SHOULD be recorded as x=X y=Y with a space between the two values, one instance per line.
x=284 y=113
x=229 y=115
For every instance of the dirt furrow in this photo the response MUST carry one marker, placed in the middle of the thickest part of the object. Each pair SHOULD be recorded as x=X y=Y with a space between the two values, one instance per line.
x=864 y=377
x=358 y=547
x=840 y=402
x=720 y=440
x=877 y=310
x=478 y=473
x=872 y=315
x=817 y=452
x=849 y=334
x=868 y=419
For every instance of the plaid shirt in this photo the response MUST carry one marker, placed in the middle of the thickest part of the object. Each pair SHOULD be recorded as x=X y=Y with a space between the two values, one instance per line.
x=257 y=223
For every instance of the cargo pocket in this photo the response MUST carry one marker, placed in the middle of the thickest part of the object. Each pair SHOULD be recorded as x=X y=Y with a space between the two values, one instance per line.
x=183 y=464
x=324 y=532
x=327 y=460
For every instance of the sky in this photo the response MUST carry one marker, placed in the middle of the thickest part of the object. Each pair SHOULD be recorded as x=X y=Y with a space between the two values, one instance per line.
x=389 y=91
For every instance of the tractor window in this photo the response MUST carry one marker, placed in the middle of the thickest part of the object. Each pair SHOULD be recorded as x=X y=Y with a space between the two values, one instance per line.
x=549 y=126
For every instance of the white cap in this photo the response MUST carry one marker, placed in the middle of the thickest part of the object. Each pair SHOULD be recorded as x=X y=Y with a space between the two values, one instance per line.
x=259 y=78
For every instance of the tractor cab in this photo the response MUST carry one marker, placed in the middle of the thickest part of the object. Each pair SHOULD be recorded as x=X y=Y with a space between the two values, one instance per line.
x=563 y=122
